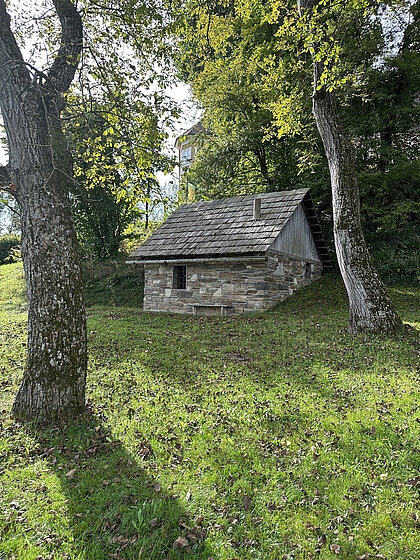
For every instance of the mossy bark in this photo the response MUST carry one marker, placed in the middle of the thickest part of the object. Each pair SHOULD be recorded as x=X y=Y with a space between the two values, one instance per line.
x=371 y=308
x=54 y=379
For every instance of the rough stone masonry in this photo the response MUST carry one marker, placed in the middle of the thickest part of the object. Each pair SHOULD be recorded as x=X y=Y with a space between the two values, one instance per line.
x=219 y=287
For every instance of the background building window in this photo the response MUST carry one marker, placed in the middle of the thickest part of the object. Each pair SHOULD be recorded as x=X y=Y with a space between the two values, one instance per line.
x=180 y=278
x=186 y=157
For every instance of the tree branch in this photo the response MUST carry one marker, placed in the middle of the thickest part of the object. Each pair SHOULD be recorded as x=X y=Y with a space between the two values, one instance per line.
x=14 y=76
x=64 y=67
x=13 y=210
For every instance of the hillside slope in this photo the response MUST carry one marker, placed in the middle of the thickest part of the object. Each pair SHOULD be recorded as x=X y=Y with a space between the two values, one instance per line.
x=273 y=436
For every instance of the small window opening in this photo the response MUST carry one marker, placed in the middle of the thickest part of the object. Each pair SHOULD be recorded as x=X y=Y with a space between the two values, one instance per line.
x=180 y=278
x=308 y=271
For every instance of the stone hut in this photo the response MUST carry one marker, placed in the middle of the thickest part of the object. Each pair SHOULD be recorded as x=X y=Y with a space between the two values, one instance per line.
x=234 y=255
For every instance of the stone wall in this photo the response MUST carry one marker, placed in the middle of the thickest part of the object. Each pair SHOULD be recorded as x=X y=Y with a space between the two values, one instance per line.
x=241 y=287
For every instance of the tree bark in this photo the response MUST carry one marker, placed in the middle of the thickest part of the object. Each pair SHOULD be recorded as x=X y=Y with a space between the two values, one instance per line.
x=371 y=308
x=40 y=170
x=5 y=178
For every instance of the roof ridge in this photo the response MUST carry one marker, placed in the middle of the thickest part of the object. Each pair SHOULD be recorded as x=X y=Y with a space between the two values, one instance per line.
x=245 y=197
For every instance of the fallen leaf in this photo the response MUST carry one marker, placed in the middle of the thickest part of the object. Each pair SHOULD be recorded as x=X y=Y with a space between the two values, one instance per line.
x=335 y=548
x=188 y=496
x=181 y=542
x=70 y=474
x=199 y=519
x=247 y=502
x=322 y=541
x=372 y=544
x=192 y=537
x=153 y=523
x=413 y=481
x=157 y=486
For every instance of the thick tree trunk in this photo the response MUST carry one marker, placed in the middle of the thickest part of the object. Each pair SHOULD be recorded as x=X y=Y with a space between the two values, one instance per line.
x=55 y=373
x=40 y=171
x=371 y=308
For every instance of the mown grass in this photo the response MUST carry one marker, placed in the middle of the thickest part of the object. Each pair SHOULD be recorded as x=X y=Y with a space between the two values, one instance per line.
x=274 y=436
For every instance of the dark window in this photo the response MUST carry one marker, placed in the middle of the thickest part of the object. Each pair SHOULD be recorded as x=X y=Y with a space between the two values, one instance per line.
x=308 y=270
x=180 y=277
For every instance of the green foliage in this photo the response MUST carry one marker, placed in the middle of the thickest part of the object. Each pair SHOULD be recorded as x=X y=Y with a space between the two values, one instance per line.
x=250 y=67
x=102 y=209
x=116 y=156
x=273 y=446
x=397 y=254
x=9 y=246
x=223 y=55
x=139 y=232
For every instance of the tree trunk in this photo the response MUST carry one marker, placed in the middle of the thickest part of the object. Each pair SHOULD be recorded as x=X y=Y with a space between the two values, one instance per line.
x=371 y=308
x=54 y=378
x=40 y=171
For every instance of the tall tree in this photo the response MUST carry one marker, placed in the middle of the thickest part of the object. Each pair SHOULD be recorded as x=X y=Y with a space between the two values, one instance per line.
x=124 y=50
x=223 y=52
x=38 y=174
x=370 y=306
x=273 y=52
x=116 y=158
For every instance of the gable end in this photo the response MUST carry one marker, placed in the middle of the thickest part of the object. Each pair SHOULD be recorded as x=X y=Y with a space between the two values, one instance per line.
x=296 y=238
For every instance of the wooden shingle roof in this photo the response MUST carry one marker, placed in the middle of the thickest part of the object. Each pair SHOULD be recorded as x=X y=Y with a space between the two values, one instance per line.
x=222 y=227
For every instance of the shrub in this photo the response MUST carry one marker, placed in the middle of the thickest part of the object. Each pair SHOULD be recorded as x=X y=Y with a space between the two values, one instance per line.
x=9 y=249
x=397 y=256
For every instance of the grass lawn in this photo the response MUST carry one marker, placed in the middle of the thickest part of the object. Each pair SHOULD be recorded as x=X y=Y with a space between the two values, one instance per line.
x=276 y=436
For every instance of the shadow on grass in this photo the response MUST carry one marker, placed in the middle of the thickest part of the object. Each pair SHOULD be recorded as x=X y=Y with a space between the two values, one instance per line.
x=112 y=507
x=294 y=341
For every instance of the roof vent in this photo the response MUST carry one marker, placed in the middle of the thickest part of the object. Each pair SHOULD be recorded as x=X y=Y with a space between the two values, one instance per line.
x=257 y=208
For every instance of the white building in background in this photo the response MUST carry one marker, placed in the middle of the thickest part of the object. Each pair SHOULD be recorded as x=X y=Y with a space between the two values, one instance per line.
x=187 y=145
